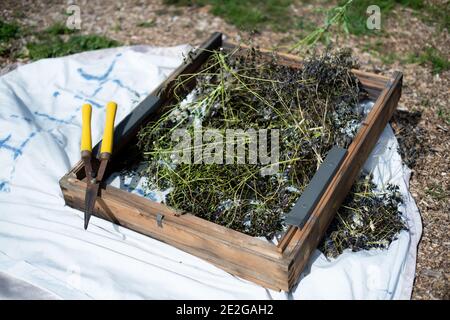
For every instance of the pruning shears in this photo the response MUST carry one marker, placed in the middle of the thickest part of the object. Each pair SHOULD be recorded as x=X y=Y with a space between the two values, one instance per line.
x=93 y=180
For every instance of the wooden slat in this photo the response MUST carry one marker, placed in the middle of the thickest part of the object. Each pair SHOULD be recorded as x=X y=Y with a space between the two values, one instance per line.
x=247 y=257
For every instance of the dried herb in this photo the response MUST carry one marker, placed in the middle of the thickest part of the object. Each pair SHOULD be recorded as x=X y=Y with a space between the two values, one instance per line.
x=314 y=107
x=367 y=219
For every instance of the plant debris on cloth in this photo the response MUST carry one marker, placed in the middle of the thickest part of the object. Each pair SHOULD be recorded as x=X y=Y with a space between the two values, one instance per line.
x=368 y=218
x=411 y=137
x=314 y=107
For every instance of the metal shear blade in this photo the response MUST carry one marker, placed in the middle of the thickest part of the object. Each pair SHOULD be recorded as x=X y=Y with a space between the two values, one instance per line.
x=92 y=181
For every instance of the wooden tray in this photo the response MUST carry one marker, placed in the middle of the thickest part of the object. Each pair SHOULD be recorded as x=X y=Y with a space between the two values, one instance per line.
x=272 y=266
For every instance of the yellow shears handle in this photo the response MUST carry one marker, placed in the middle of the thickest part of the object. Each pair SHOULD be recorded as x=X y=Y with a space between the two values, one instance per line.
x=108 y=133
x=86 y=140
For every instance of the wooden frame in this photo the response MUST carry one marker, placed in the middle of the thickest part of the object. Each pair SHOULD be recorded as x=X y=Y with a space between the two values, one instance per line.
x=272 y=266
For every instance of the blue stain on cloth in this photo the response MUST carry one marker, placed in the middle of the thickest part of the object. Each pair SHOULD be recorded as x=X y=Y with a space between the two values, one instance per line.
x=16 y=145
x=3 y=145
x=17 y=151
x=95 y=104
x=51 y=118
x=120 y=84
x=21 y=117
x=102 y=77
x=4 y=186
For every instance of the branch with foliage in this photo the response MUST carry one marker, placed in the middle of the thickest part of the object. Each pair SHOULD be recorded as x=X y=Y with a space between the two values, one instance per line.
x=335 y=17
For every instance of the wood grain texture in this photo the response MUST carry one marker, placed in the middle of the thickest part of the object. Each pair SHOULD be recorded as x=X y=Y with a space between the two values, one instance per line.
x=275 y=267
